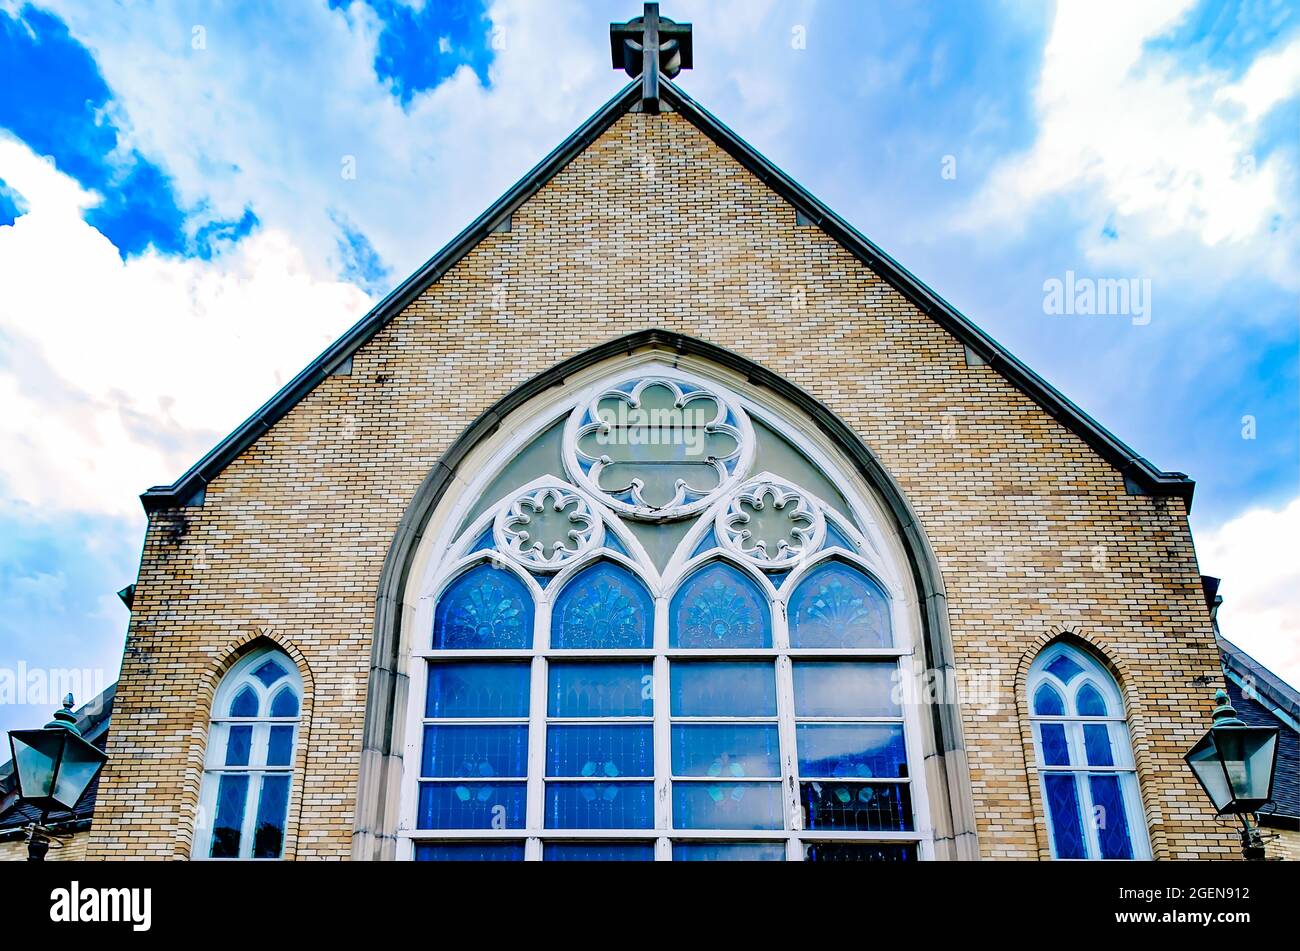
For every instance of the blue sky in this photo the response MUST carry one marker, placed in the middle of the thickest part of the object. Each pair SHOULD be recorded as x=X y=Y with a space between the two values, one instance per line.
x=196 y=198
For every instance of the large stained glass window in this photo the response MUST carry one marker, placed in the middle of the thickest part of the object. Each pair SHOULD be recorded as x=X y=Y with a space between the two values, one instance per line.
x=244 y=800
x=664 y=656
x=1081 y=741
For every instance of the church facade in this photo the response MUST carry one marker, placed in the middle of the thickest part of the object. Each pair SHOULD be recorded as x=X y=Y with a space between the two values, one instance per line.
x=664 y=516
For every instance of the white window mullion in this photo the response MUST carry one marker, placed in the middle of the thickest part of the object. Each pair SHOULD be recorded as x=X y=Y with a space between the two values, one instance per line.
x=789 y=753
x=536 y=795
x=663 y=805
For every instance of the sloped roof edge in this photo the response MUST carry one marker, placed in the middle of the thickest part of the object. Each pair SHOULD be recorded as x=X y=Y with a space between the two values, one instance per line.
x=1272 y=690
x=1140 y=475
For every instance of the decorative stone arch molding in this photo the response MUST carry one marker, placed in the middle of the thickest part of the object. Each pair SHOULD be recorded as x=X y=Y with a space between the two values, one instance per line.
x=1134 y=713
x=379 y=786
x=226 y=658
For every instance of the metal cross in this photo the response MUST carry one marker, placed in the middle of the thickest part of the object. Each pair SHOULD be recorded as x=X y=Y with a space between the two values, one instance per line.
x=647 y=46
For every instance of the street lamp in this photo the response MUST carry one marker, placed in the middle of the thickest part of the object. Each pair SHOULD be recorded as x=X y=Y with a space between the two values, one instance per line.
x=1234 y=763
x=53 y=765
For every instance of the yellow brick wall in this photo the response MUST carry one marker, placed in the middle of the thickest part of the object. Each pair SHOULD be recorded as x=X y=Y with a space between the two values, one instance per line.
x=66 y=848
x=1033 y=532
x=1285 y=844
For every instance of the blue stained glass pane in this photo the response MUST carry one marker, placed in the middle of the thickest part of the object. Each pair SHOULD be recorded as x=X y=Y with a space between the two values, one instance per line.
x=598 y=852
x=285 y=704
x=1056 y=751
x=472 y=805
x=613 y=544
x=475 y=752
x=832 y=750
x=728 y=851
x=603 y=607
x=858 y=852
x=1096 y=742
x=716 y=689
x=238 y=745
x=269 y=672
x=469 y=852
x=709 y=805
x=268 y=835
x=487 y=608
x=232 y=795
x=599 y=751
x=1089 y=702
x=837 y=605
x=859 y=807
x=599 y=805
x=725 y=751
x=485 y=543
x=1109 y=814
x=838 y=539
x=708 y=542
x=601 y=690
x=477 y=690
x=1047 y=702
x=244 y=704
x=1064 y=668
x=865 y=689
x=279 y=746
x=718 y=607
x=1063 y=811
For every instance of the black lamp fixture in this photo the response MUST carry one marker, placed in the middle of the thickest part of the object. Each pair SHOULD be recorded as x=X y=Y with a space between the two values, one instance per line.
x=53 y=766
x=1235 y=763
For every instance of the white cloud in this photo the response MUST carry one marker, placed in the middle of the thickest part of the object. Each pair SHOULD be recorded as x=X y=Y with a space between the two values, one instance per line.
x=1163 y=153
x=118 y=375
x=1257 y=555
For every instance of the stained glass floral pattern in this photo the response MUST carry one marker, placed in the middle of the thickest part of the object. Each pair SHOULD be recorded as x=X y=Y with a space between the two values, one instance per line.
x=603 y=607
x=486 y=608
x=720 y=607
x=837 y=605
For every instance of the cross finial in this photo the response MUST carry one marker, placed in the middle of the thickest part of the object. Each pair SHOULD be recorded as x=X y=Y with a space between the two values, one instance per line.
x=649 y=45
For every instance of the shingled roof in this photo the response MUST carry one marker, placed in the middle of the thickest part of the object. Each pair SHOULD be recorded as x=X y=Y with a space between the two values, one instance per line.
x=1262 y=698
x=1140 y=476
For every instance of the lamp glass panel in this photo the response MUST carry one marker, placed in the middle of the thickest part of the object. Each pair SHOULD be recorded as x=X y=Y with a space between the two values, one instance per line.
x=1204 y=761
x=34 y=754
x=81 y=761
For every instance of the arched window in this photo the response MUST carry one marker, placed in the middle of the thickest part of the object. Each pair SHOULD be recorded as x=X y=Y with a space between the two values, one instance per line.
x=665 y=653
x=1084 y=758
x=244 y=800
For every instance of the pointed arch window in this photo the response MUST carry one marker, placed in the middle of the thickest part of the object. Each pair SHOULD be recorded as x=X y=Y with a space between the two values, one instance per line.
x=248 y=772
x=1085 y=759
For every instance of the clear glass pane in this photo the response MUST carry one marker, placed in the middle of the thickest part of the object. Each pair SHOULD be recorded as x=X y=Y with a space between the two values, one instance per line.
x=1047 y=702
x=477 y=690
x=1096 y=742
x=469 y=852
x=837 y=605
x=1089 y=702
x=487 y=608
x=285 y=703
x=719 y=606
x=601 y=690
x=472 y=805
x=600 y=751
x=726 y=751
x=269 y=673
x=709 y=805
x=475 y=752
x=728 y=851
x=268 y=834
x=717 y=689
x=279 y=746
x=1064 y=668
x=864 y=689
x=859 y=750
x=239 y=742
x=1056 y=751
x=244 y=704
x=1063 y=812
x=859 y=852
x=603 y=607
x=232 y=797
x=584 y=805
x=858 y=807
x=598 y=852
x=1110 y=817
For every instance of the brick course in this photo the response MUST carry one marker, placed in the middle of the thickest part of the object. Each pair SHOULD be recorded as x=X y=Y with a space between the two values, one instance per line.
x=1034 y=532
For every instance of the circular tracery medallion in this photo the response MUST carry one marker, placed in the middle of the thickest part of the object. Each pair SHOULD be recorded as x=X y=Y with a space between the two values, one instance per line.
x=547 y=528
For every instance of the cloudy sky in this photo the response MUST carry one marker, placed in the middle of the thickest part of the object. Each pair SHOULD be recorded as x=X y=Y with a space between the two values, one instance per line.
x=195 y=198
